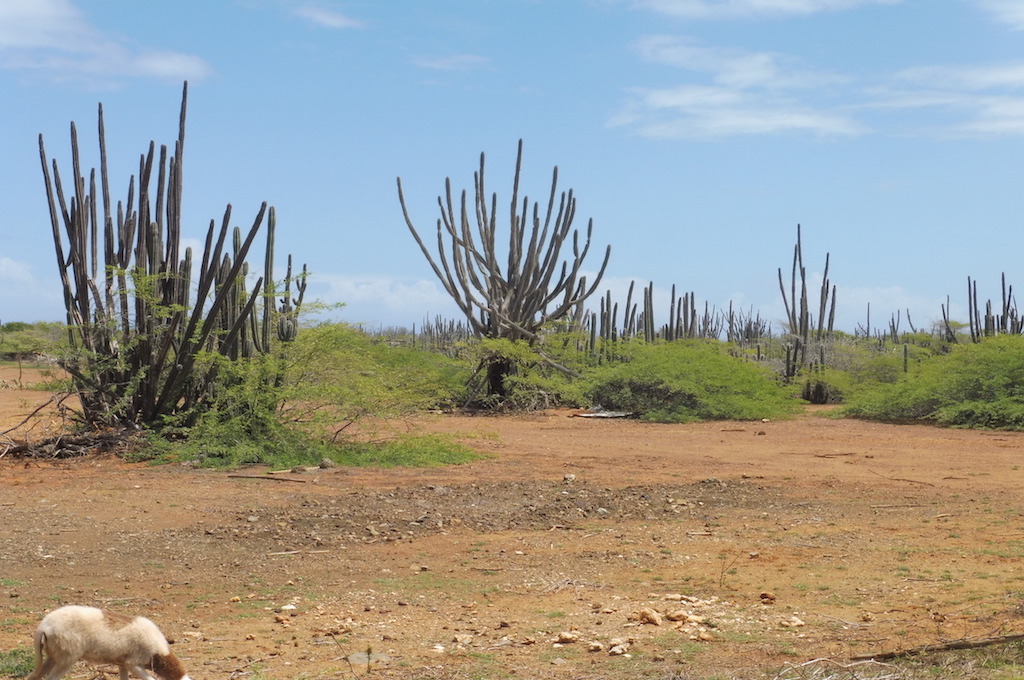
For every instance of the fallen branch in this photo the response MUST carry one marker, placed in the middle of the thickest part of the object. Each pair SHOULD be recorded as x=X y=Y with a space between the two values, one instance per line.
x=54 y=399
x=297 y=552
x=942 y=647
x=896 y=505
x=269 y=479
x=901 y=479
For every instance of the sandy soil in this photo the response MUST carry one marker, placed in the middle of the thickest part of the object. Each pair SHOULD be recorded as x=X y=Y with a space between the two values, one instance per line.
x=582 y=548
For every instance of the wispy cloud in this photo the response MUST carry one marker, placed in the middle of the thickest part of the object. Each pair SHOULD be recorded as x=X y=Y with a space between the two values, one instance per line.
x=55 y=37
x=1009 y=12
x=724 y=91
x=732 y=92
x=965 y=101
x=743 y=9
x=730 y=66
x=379 y=299
x=452 y=62
x=329 y=18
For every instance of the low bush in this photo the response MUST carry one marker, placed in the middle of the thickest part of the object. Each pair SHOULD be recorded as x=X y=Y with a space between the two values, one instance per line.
x=537 y=378
x=293 y=407
x=974 y=385
x=686 y=381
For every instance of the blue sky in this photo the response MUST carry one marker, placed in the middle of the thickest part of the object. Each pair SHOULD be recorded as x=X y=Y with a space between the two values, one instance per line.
x=695 y=133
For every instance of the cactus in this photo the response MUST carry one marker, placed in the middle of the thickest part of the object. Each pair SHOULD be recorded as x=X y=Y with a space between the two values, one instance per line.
x=134 y=329
x=535 y=288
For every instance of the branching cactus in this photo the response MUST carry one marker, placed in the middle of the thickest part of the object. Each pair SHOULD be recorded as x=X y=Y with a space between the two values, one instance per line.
x=135 y=329
x=534 y=286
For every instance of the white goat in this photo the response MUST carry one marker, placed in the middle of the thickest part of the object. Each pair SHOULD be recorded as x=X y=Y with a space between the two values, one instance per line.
x=72 y=633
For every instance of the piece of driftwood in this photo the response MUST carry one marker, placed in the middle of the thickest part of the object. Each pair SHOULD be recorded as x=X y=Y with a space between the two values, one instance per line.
x=942 y=647
x=269 y=479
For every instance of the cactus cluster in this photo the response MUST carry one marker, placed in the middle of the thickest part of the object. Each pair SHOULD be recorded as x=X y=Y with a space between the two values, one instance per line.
x=136 y=331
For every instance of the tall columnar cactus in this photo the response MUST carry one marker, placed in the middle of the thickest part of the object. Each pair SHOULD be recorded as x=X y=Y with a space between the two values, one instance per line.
x=533 y=287
x=136 y=332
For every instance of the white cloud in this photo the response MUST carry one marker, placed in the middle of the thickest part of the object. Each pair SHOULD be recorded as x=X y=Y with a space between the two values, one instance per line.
x=1009 y=12
x=739 y=9
x=706 y=112
x=886 y=303
x=42 y=23
x=328 y=18
x=383 y=300
x=749 y=93
x=14 y=273
x=43 y=304
x=970 y=78
x=731 y=66
x=967 y=101
x=54 y=37
x=453 y=62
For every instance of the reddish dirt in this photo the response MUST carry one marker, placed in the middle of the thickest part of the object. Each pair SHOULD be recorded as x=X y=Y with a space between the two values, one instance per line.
x=769 y=543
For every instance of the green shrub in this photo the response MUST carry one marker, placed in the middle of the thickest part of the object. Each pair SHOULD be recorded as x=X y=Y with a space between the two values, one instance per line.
x=688 y=381
x=826 y=386
x=356 y=376
x=291 y=408
x=19 y=340
x=974 y=385
x=538 y=377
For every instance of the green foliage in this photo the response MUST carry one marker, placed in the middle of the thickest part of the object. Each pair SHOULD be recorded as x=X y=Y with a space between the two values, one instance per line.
x=974 y=385
x=406 y=451
x=336 y=373
x=288 y=408
x=531 y=378
x=17 y=663
x=19 y=339
x=826 y=386
x=688 y=381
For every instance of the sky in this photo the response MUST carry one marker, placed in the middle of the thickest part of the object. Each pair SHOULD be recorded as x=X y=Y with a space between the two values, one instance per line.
x=696 y=134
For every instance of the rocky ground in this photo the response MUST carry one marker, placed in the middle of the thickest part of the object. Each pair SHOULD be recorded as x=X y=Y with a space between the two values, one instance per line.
x=580 y=548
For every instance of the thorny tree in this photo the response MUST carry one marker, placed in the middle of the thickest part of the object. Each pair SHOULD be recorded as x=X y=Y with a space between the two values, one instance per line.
x=536 y=286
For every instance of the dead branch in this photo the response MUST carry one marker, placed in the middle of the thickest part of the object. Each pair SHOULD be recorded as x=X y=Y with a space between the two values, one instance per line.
x=269 y=479
x=74 y=446
x=942 y=647
x=901 y=479
x=54 y=399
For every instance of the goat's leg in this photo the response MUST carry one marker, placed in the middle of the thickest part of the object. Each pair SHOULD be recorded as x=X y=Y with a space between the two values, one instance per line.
x=55 y=670
x=138 y=671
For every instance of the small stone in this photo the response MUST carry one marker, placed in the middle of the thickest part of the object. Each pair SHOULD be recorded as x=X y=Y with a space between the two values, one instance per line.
x=569 y=478
x=618 y=650
x=463 y=639
x=567 y=637
x=595 y=646
x=767 y=598
x=648 y=616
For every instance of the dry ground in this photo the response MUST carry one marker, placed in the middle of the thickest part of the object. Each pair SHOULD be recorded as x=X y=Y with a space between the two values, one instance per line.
x=723 y=548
